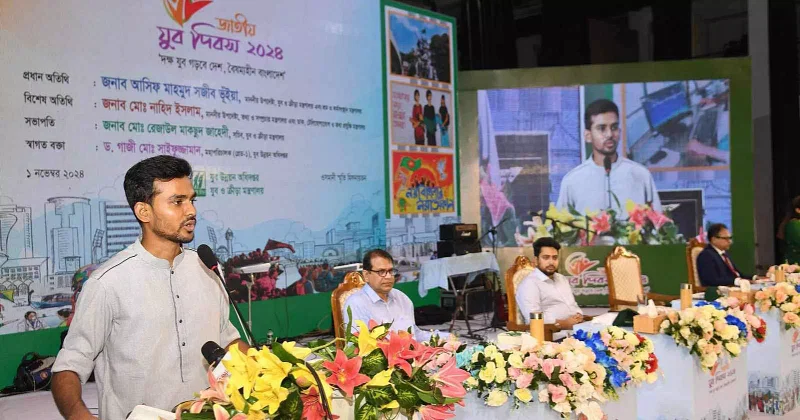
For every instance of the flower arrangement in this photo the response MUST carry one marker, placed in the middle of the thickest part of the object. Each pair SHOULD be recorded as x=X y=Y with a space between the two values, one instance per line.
x=569 y=227
x=784 y=297
x=756 y=326
x=627 y=357
x=565 y=376
x=382 y=373
x=708 y=330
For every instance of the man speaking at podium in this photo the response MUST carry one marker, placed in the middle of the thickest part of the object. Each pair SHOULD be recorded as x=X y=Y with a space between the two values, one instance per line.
x=606 y=180
x=144 y=315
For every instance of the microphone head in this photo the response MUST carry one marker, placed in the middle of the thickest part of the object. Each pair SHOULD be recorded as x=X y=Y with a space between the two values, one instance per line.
x=207 y=256
x=607 y=163
x=212 y=352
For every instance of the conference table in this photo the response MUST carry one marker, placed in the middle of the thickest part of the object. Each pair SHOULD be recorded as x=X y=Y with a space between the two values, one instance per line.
x=684 y=391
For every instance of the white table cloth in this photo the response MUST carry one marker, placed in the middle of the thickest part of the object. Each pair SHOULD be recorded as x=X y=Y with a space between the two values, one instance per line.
x=435 y=273
x=685 y=391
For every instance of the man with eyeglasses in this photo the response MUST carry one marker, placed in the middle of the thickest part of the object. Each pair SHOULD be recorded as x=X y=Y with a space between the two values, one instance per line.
x=379 y=301
x=714 y=264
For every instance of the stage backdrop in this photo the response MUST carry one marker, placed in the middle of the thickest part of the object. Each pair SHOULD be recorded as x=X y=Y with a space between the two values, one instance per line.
x=683 y=130
x=277 y=105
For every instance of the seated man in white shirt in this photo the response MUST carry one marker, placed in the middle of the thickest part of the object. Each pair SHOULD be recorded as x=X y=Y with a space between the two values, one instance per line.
x=379 y=301
x=546 y=291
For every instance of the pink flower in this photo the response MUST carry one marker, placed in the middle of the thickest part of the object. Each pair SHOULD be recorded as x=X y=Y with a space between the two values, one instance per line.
x=601 y=223
x=548 y=366
x=780 y=296
x=398 y=350
x=443 y=358
x=524 y=380
x=344 y=373
x=638 y=217
x=452 y=345
x=450 y=380
x=568 y=381
x=514 y=373
x=436 y=412
x=657 y=218
x=532 y=361
x=557 y=393
x=312 y=405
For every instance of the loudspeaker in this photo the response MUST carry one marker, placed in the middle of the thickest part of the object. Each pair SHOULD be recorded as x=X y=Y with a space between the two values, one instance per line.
x=458 y=232
x=450 y=248
x=479 y=302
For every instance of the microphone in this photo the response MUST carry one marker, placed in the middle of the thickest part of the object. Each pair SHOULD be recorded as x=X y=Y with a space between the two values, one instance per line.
x=214 y=355
x=607 y=164
x=212 y=263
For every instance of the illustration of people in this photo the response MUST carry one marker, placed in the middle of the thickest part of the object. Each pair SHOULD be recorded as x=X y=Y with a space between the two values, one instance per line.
x=31 y=322
x=63 y=315
x=416 y=120
x=443 y=120
x=429 y=115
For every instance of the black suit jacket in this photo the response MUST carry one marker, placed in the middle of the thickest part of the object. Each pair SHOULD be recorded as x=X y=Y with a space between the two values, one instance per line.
x=713 y=271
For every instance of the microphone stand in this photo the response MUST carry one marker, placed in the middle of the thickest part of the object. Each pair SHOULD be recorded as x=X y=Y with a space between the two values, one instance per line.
x=248 y=335
x=495 y=323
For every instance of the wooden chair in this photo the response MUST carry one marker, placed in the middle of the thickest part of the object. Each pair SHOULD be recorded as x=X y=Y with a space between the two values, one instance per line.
x=693 y=249
x=352 y=283
x=624 y=272
x=521 y=268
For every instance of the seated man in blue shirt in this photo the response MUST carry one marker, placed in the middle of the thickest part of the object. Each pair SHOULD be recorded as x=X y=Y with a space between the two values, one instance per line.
x=379 y=301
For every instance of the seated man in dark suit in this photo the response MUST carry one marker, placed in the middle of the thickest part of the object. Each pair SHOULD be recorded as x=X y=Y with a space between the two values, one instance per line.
x=714 y=265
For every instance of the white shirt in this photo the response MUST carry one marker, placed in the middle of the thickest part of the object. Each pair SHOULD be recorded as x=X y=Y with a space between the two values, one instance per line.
x=585 y=187
x=140 y=324
x=366 y=305
x=553 y=297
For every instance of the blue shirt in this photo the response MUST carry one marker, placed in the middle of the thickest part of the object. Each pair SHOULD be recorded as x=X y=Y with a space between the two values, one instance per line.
x=365 y=304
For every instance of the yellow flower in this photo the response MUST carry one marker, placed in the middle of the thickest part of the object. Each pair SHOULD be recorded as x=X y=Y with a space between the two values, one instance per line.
x=243 y=370
x=651 y=377
x=490 y=351
x=368 y=340
x=499 y=361
x=298 y=352
x=496 y=398
x=515 y=360
x=305 y=379
x=500 y=375
x=634 y=237
x=272 y=369
x=733 y=348
x=523 y=394
x=268 y=395
x=487 y=373
x=541 y=231
x=471 y=382
x=236 y=399
x=381 y=379
x=632 y=339
x=391 y=405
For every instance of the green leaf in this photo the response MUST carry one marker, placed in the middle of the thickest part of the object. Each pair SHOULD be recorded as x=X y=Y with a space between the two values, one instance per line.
x=348 y=332
x=427 y=397
x=374 y=363
x=285 y=356
x=198 y=416
x=365 y=411
x=292 y=407
x=407 y=396
x=380 y=396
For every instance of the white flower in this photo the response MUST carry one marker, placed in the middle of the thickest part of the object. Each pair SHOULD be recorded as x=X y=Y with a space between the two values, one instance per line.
x=632 y=339
x=544 y=396
x=496 y=398
x=591 y=410
x=563 y=407
x=733 y=348
x=685 y=332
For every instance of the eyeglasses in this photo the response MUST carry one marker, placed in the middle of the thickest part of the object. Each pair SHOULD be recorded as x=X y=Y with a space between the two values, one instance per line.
x=384 y=273
x=725 y=238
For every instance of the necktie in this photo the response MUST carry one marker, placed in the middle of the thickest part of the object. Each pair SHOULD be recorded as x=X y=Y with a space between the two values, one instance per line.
x=730 y=266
